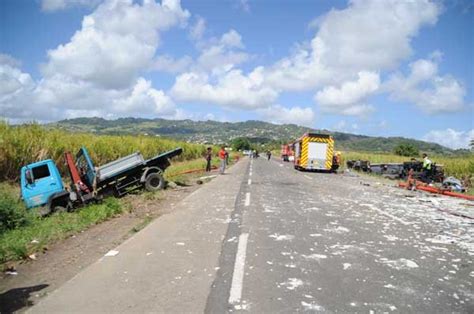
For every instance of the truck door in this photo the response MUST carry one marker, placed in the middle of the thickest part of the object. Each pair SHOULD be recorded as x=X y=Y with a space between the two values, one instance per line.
x=44 y=182
x=297 y=153
x=317 y=155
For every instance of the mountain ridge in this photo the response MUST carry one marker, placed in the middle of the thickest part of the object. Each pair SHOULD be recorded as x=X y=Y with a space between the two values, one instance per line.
x=215 y=132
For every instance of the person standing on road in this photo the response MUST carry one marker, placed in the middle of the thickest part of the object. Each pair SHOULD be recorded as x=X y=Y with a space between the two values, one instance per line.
x=222 y=153
x=427 y=165
x=208 y=159
x=269 y=155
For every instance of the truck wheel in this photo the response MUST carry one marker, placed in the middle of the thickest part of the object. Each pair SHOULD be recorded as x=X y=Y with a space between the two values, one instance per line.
x=59 y=209
x=154 y=182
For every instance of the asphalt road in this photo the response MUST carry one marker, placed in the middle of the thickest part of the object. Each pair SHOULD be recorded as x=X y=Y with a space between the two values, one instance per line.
x=265 y=238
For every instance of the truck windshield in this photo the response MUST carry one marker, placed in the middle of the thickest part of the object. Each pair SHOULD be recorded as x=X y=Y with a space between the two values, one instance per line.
x=40 y=172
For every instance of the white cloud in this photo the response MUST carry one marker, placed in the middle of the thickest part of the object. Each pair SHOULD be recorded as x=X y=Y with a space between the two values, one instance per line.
x=98 y=70
x=215 y=79
x=9 y=60
x=347 y=99
x=144 y=99
x=244 y=5
x=423 y=86
x=197 y=30
x=340 y=126
x=56 y=5
x=296 y=115
x=117 y=41
x=167 y=63
x=450 y=138
x=232 y=89
x=13 y=81
x=223 y=55
x=338 y=59
x=339 y=50
x=15 y=85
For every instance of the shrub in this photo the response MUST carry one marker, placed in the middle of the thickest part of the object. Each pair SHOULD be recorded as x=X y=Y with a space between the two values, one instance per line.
x=12 y=211
x=407 y=150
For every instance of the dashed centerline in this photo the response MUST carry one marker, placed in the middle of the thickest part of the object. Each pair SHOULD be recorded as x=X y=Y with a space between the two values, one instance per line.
x=249 y=181
x=247 y=199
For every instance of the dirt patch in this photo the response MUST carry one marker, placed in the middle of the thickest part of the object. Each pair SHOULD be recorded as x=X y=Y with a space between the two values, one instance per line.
x=64 y=259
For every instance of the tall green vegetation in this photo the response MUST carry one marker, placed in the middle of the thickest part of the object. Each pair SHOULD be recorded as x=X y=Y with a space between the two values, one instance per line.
x=407 y=149
x=12 y=211
x=22 y=145
x=453 y=166
x=240 y=143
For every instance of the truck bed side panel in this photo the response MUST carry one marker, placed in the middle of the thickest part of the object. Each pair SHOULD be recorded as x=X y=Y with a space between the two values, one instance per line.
x=118 y=166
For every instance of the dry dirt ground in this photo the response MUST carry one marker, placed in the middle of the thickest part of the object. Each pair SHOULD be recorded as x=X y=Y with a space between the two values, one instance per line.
x=64 y=259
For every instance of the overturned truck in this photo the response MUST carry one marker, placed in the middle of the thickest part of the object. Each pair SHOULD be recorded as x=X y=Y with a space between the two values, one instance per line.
x=42 y=185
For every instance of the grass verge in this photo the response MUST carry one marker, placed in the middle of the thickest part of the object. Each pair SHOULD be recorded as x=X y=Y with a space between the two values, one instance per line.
x=23 y=232
x=38 y=232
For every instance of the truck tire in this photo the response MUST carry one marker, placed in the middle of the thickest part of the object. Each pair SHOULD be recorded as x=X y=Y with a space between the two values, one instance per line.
x=154 y=182
x=59 y=209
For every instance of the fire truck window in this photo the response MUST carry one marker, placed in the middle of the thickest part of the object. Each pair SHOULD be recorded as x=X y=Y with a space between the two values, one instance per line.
x=40 y=172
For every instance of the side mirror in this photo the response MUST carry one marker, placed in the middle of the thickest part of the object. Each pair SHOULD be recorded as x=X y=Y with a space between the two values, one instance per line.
x=29 y=177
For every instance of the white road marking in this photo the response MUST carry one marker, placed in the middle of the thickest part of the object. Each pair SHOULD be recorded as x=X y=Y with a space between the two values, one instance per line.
x=308 y=177
x=250 y=173
x=249 y=182
x=238 y=275
x=247 y=199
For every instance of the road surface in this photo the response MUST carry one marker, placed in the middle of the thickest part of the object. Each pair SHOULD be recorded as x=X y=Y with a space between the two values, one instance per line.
x=265 y=238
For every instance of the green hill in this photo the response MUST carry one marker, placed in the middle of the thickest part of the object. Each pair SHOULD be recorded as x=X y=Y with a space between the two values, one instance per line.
x=223 y=132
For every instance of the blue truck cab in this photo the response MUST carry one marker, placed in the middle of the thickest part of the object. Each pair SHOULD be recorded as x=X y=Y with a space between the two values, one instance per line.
x=39 y=182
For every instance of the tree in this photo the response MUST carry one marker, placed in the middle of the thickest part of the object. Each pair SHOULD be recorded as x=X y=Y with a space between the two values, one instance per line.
x=240 y=143
x=471 y=144
x=408 y=150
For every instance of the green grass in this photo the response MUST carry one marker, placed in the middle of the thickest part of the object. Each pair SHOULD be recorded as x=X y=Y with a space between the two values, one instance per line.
x=22 y=145
x=178 y=168
x=39 y=232
x=453 y=166
x=24 y=232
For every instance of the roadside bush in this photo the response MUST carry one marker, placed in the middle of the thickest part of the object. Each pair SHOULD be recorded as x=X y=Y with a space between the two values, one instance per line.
x=12 y=212
x=407 y=150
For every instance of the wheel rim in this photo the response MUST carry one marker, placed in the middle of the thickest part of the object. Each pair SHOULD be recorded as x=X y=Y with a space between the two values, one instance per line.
x=155 y=182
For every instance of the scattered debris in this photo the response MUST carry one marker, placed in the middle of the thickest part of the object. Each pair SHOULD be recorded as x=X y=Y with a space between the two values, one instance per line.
x=172 y=185
x=111 y=253
x=453 y=184
x=292 y=283
x=11 y=271
x=281 y=237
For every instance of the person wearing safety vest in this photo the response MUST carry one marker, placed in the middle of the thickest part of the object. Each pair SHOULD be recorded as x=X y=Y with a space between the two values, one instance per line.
x=427 y=165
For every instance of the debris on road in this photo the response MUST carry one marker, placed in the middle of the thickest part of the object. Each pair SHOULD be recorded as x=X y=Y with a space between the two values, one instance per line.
x=11 y=271
x=111 y=253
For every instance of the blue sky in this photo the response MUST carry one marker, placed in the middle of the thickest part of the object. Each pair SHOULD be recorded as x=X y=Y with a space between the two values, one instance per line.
x=389 y=68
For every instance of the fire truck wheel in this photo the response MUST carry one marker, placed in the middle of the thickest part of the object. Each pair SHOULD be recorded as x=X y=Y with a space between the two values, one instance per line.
x=154 y=182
